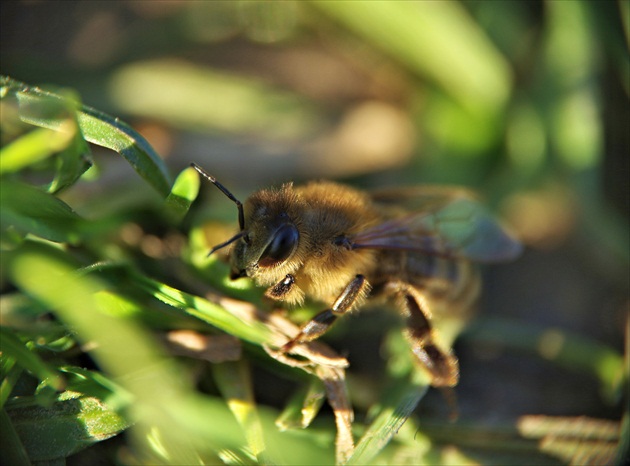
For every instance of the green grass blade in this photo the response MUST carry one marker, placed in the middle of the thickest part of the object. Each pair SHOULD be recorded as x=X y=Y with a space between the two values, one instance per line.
x=104 y=130
x=234 y=382
x=183 y=193
x=31 y=210
x=31 y=148
x=10 y=374
x=97 y=128
x=12 y=347
x=395 y=410
x=407 y=386
x=303 y=406
x=172 y=421
x=249 y=330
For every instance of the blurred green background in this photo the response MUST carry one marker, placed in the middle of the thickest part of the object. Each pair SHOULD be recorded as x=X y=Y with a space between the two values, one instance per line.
x=524 y=101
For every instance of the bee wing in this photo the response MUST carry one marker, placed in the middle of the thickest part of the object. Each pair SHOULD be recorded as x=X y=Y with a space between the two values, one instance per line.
x=454 y=226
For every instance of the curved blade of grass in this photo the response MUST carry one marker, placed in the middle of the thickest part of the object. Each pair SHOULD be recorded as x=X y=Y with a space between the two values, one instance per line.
x=396 y=408
x=408 y=386
x=303 y=406
x=72 y=162
x=14 y=348
x=97 y=128
x=104 y=130
x=253 y=331
x=164 y=405
x=30 y=210
x=65 y=140
x=183 y=193
x=234 y=382
x=10 y=372
x=32 y=147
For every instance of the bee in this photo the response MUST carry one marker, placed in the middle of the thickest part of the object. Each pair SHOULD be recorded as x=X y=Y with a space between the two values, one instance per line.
x=417 y=247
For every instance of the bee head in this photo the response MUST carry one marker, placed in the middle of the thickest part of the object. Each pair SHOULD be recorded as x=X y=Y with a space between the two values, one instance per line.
x=270 y=240
x=267 y=236
x=263 y=248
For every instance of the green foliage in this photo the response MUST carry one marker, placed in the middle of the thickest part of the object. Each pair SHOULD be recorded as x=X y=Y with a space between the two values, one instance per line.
x=60 y=263
x=103 y=333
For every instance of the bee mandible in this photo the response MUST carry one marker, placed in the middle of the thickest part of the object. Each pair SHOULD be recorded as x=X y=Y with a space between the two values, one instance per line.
x=417 y=247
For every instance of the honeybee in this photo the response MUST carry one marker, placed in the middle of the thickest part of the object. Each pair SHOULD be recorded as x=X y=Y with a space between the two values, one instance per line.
x=417 y=247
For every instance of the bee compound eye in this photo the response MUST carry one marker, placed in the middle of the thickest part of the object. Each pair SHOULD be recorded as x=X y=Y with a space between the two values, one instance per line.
x=282 y=245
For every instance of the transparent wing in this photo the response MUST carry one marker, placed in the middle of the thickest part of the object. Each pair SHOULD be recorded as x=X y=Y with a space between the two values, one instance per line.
x=450 y=226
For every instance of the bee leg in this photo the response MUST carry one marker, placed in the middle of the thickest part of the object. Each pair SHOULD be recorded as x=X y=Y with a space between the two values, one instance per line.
x=320 y=324
x=282 y=288
x=442 y=365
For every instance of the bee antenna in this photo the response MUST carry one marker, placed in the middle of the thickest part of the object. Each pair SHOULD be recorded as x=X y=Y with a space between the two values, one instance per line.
x=224 y=190
x=239 y=235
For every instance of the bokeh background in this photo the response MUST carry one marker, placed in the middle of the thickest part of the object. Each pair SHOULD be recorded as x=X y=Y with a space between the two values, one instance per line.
x=524 y=101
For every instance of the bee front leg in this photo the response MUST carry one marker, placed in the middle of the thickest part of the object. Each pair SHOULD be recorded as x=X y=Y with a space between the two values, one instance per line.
x=320 y=324
x=282 y=288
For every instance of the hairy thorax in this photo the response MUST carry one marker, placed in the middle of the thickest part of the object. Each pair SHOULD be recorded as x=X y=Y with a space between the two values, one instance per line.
x=324 y=214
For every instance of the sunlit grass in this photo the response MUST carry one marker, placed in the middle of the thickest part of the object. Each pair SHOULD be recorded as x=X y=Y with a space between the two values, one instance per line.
x=117 y=323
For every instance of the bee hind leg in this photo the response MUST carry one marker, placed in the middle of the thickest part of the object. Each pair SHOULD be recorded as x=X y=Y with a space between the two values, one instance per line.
x=322 y=322
x=442 y=365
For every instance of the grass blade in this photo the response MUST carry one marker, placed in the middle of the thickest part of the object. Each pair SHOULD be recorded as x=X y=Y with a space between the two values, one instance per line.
x=12 y=347
x=396 y=409
x=97 y=128
x=234 y=382
x=182 y=195
x=31 y=210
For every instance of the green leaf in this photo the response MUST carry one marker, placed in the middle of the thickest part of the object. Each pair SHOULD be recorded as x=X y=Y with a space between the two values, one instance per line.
x=29 y=360
x=234 y=382
x=183 y=193
x=303 y=406
x=30 y=210
x=64 y=140
x=399 y=403
x=71 y=424
x=251 y=330
x=104 y=130
x=32 y=147
x=96 y=384
x=10 y=372
x=97 y=128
